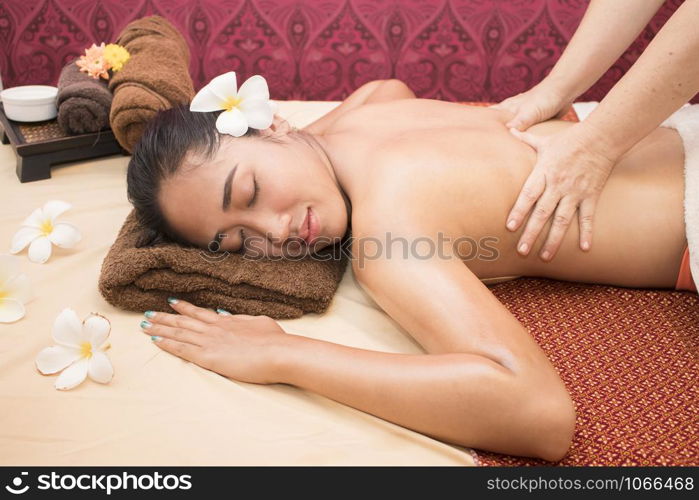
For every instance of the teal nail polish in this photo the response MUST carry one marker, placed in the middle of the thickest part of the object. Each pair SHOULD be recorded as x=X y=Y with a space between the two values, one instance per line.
x=223 y=311
x=155 y=338
x=149 y=314
x=172 y=300
x=146 y=324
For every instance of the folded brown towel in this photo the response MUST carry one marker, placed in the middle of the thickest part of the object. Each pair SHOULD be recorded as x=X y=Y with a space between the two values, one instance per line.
x=155 y=77
x=83 y=102
x=140 y=279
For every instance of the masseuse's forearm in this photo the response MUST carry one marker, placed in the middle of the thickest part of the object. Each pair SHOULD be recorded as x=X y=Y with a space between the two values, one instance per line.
x=664 y=78
x=460 y=398
x=605 y=32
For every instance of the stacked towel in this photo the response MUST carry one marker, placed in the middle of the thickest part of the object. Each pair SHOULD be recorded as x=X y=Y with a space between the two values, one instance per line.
x=141 y=279
x=155 y=77
x=83 y=102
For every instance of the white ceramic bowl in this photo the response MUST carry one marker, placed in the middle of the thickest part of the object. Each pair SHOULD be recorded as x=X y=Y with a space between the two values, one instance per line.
x=30 y=103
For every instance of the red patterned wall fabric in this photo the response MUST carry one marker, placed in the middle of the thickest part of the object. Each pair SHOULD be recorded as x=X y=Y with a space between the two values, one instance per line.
x=458 y=50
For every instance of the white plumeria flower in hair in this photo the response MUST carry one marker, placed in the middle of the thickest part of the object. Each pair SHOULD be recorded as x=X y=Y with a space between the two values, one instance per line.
x=80 y=347
x=40 y=230
x=15 y=290
x=248 y=107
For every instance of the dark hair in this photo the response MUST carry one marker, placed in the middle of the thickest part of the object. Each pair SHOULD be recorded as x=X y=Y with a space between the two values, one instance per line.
x=160 y=152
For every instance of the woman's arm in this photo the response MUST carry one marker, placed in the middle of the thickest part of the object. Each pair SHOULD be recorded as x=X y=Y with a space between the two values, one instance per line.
x=374 y=91
x=483 y=383
x=460 y=398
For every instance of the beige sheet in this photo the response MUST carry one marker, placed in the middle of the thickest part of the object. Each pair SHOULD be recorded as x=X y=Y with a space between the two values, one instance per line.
x=159 y=409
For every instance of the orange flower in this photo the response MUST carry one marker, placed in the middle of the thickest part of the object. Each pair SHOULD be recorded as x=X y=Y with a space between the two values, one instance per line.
x=95 y=52
x=93 y=62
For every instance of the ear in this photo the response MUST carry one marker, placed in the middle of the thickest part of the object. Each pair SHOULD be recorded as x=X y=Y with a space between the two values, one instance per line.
x=278 y=128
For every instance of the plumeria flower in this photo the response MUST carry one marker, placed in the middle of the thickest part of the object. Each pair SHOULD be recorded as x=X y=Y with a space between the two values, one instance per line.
x=80 y=350
x=247 y=107
x=15 y=290
x=40 y=230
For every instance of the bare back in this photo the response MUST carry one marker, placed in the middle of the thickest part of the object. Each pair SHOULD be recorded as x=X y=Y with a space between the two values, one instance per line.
x=439 y=167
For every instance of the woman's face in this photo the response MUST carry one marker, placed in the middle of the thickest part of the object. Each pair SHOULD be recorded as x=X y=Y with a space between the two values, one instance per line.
x=262 y=188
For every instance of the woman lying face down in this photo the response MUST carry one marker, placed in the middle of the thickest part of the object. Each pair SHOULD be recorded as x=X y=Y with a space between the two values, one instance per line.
x=441 y=177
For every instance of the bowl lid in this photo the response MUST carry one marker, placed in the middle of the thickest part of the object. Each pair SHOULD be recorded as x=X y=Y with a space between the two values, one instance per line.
x=29 y=94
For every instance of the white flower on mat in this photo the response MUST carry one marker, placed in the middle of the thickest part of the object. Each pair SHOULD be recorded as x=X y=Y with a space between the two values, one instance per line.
x=248 y=107
x=15 y=290
x=40 y=230
x=80 y=350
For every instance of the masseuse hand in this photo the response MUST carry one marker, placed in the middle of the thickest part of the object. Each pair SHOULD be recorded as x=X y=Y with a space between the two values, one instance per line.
x=571 y=169
x=543 y=101
x=238 y=346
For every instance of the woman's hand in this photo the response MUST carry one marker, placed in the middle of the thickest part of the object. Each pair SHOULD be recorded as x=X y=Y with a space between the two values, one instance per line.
x=238 y=346
x=538 y=104
x=570 y=172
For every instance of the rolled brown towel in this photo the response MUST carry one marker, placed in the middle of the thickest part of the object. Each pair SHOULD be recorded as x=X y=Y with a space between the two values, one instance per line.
x=155 y=77
x=83 y=102
x=140 y=279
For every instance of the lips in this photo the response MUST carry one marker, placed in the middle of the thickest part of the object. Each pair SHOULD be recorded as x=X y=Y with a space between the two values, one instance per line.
x=309 y=228
x=304 y=230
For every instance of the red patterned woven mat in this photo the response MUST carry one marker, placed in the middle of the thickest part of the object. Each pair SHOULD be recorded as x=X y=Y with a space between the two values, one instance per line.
x=629 y=359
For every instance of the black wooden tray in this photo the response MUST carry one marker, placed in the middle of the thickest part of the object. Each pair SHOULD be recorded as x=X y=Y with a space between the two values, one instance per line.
x=40 y=145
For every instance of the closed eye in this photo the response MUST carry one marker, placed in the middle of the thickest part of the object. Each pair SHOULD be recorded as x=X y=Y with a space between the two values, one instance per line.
x=254 y=196
x=226 y=202
x=241 y=250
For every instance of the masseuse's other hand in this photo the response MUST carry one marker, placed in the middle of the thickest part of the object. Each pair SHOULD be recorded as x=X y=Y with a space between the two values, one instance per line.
x=569 y=175
x=238 y=346
x=536 y=105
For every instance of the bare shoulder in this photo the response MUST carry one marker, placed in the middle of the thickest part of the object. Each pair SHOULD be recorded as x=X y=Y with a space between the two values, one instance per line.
x=402 y=195
x=404 y=203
